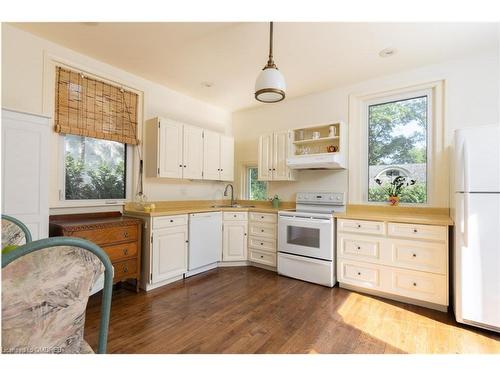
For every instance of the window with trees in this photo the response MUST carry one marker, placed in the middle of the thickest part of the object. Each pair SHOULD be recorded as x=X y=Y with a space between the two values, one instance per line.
x=256 y=190
x=398 y=146
x=94 y=168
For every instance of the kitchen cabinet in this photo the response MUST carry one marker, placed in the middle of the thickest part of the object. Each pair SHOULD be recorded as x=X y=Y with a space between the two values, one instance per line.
x=262 y=238
x=176 y=150
x=274 y=149
x=218 y=157
x=394 y=260
x=235 y=236
x=170 y=249
x=25 y=170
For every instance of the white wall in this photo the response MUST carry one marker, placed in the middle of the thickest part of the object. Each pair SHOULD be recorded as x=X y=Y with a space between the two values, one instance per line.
x=23 y=58
x=471 y=99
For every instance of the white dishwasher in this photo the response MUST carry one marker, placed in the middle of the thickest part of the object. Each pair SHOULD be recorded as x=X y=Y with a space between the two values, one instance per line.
x=205 y=242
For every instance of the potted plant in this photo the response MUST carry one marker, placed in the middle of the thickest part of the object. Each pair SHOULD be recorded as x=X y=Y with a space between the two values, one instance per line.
x=395 y=188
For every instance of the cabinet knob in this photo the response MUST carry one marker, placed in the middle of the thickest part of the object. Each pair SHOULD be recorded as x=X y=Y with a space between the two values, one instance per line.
x=184 y=166
x=262 y=256
x=359 y=273
x=125 y=269
x=262 y=217
x=245 y=234
x=359 y=225
x=221 y=169
x=234 y=215
x=171 y=220
x=414 y=284
x=262 y=230
x=414 y=255
x=415 y=231
x=270 y=169
x=358 y=247
x=180 y=165
x=262 y=244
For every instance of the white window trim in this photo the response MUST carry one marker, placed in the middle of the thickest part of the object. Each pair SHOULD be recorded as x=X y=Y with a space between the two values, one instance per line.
x=95 y=202
x=437 y=178
x=57 y=159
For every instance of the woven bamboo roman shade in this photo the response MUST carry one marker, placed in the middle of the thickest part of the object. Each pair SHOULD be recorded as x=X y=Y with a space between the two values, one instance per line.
x=93 y=108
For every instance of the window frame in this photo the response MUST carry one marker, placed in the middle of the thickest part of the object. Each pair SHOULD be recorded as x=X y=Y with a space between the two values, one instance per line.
x=245 y=181
x=129 y=158
x=383 y=99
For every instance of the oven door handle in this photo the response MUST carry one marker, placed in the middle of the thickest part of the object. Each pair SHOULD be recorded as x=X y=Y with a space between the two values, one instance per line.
x=304 y=219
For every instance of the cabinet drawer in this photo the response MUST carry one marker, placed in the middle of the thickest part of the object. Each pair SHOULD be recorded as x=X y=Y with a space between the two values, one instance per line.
x=102 y=236
x=423 y=232
x=363 y=275
x=362 y=248
x=169 y=221
x=420 y=285
x=118 y=252
x=262 y=243
x=235 y=216
x=262 y=230
x=124 y=269
x=264 y=218
x=361 y=226
x=421 y=256
x=263 y=257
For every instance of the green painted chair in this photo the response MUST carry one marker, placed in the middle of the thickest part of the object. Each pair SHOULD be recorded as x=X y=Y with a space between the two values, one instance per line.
x=14 y=233
x=45 y=290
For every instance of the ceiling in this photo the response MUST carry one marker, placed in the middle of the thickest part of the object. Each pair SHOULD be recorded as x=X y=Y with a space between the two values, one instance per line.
x=312 y=56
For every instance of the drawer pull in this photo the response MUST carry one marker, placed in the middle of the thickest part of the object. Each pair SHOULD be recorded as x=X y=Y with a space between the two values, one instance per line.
x=414 y=284
x=415 y=231
x=125 y=251
x=125 y=234
x=262 y=244
x=358 y=247
x=262 y=217
x=171 y=220
x=359 y=225
x=262 y=230
x=359 y=273
x=414 y=255
x=125 y=269
x=262 y=256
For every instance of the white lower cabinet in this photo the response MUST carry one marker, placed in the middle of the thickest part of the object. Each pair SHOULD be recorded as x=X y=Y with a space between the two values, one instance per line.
x=396 y=260
x=170 y=246
x=234 y=241
x=262 y=241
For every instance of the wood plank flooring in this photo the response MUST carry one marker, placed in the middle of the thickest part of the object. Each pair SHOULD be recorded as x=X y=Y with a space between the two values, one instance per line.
x=251 y=310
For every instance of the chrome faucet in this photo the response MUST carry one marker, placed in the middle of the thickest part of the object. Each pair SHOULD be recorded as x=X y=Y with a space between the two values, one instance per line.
x=232 y=193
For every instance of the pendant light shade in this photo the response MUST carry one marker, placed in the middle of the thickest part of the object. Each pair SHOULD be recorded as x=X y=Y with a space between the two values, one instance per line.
x=270 y=85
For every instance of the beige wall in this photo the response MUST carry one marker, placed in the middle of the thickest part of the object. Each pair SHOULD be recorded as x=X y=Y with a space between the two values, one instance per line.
x=471 y=98
x=23 y=58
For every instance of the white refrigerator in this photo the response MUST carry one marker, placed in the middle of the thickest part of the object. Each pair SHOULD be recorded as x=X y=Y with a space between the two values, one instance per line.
x=477 y=227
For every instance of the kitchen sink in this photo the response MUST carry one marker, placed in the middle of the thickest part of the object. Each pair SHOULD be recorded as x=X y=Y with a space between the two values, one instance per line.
x=232 y=206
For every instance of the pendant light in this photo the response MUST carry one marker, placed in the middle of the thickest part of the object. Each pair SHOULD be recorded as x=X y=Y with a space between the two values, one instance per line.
x=270 y=85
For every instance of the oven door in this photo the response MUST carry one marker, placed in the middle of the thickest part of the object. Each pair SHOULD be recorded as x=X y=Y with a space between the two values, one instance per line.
x=306 y=236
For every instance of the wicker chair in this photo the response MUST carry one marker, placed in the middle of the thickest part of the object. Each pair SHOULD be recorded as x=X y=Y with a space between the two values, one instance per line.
x=14 y=232
x=45 y=289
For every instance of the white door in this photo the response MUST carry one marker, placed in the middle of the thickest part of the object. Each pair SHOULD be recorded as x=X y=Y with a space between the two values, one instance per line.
x=226 y=158
x=281 y=144
x=170 y=149
x=477 y=159
x=211 y=155
x=478 y=252
x=169 y=253
x=25 y=170
x=193 y=153
x=265 y=171
x=234 y=241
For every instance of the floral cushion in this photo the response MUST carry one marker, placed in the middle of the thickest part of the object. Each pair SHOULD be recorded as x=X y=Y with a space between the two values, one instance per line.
x=44 y=297
x=12 y=235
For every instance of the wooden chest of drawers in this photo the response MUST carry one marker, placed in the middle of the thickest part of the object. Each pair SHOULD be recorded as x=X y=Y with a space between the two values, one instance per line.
x=119 y=236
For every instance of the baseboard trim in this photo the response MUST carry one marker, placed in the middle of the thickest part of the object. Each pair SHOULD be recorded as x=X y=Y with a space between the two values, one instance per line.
x=263 y=266
x=237 y=263
x=395 y=297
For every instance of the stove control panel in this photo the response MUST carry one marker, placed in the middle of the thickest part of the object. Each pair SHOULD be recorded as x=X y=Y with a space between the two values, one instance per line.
x=321 y=198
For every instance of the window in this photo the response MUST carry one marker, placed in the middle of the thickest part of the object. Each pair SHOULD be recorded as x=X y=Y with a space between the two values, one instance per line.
x=256 y=190
x=398 y=146
x=94 y=168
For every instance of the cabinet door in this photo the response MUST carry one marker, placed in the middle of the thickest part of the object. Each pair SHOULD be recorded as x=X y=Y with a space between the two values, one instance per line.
x=234 y=241
x=211 y=155
x=226 y=158
x=25 y=170
x=169 y=253
x=170 y=149
x=193 y=153
x=281 y=147
x=265 y=157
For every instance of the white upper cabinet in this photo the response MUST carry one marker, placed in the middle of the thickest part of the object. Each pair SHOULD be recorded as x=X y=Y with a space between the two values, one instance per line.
x=211 y=155
x=226 y=158
x=175 y=150
x=218 y=157
x=170 y=146
x=274 y=149
x=193 y=153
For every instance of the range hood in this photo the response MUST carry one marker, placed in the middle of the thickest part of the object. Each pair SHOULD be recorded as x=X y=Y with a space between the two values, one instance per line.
x=333 y=160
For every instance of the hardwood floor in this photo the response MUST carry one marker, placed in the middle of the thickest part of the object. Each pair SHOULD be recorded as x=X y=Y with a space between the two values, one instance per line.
x=251 y=310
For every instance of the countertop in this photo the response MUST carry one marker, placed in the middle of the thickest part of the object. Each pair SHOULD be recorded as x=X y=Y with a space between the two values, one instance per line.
x=166 y=208
x=414 y=215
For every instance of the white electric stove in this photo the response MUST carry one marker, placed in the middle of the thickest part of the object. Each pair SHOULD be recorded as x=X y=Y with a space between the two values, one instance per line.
x=306 y=237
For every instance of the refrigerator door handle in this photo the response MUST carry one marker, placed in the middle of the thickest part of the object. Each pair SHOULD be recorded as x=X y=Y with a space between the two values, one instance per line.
x=465 y=221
